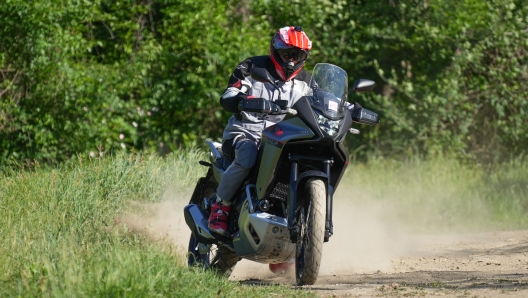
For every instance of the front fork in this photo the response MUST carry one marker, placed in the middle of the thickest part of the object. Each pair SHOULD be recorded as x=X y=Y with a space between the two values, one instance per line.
x=295 y=182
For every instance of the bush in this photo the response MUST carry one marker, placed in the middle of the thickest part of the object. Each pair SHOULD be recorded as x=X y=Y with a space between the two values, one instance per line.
x=99 y=76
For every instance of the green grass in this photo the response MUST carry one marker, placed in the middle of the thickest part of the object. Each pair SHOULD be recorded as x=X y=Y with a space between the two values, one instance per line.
x=61 y=234
x=444 y=195
x=60 y=238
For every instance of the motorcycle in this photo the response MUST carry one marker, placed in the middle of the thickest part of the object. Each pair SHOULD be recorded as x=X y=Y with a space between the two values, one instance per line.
x=283 y=211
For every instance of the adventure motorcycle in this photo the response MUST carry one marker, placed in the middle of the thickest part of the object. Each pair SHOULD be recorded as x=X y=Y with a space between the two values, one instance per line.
x=284 y=209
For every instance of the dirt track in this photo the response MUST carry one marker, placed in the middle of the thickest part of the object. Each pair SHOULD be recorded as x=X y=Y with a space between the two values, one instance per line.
x=371 y=255
x=477 y=265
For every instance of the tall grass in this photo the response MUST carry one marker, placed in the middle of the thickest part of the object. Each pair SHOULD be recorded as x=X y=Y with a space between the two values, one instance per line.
x=443 y=194
x=59 y=238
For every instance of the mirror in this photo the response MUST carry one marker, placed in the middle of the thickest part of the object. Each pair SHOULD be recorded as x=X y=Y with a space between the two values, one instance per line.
x=362 y=85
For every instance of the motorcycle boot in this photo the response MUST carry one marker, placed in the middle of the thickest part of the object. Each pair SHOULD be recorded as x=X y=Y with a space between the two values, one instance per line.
x=218 y=220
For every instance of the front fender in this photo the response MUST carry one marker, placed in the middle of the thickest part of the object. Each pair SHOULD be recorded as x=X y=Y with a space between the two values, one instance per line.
x=298 y=183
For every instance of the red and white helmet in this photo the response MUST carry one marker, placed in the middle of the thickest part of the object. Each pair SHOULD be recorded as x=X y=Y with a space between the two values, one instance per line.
x=288 y=50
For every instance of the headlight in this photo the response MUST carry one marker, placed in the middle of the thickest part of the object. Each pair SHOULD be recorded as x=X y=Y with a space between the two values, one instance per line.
x=331 y=127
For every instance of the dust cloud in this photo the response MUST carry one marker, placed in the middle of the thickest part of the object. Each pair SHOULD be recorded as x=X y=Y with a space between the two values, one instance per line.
x=162 y=220
x=366 y=237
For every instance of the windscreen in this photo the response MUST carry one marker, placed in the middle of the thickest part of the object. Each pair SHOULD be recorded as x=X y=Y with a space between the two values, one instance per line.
x=330 y=85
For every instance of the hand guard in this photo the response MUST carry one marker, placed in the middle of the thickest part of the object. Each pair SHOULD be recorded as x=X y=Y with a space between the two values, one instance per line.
x=259 y=105
x=363 y=116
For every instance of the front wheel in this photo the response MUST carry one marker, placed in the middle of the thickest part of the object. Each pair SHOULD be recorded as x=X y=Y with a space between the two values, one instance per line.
x=209 y=256
x=311 y=218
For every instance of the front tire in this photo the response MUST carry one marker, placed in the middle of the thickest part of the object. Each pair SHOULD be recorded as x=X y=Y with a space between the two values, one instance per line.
x=311 y=218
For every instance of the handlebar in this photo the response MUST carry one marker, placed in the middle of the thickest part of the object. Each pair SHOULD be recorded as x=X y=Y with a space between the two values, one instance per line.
x=264 y=106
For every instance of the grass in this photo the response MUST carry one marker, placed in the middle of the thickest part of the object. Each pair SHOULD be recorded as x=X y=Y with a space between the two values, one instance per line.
x=60 y=234
x=444 y=195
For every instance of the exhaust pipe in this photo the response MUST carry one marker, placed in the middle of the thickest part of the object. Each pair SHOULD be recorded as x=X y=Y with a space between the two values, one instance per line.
x=198 y=224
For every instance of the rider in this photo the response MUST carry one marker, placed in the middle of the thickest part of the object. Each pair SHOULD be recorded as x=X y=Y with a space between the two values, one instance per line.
x=289 y=49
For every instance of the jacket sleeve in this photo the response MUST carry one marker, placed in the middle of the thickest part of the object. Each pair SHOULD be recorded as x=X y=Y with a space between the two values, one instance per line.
x=238 y=86
x=230 y=103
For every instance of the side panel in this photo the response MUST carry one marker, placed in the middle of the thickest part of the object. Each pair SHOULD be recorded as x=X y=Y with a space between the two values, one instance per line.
x=273 y=140
x=217 y=159
x=218 y=173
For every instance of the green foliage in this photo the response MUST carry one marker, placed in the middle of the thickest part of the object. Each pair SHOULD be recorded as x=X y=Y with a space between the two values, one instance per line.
x=99 y=76
x=448 y=81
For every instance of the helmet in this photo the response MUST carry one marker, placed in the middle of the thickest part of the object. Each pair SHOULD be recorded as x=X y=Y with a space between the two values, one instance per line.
x=289 y=49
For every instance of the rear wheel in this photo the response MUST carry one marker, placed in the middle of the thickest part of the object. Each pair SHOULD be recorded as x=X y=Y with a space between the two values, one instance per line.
x=311 y=218
x=211 y=257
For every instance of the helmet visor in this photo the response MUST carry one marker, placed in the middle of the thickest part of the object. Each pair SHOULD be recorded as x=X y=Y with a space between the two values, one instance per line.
x=292 y=54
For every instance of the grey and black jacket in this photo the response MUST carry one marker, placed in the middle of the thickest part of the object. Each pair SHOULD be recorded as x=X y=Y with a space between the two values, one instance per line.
x=242 y=85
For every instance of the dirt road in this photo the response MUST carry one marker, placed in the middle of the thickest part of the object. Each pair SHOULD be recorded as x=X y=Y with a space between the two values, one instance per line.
x=372 y=255
x=376 y=254
x=476 y=265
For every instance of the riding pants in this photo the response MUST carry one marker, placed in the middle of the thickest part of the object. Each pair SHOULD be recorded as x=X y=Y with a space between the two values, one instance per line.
x=244 y=158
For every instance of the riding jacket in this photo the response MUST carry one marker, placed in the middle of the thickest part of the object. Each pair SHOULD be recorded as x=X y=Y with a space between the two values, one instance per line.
x=241 y=85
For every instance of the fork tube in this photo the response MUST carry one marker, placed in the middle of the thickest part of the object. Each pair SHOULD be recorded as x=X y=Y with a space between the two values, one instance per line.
x=292 y=195
x=328 y=222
